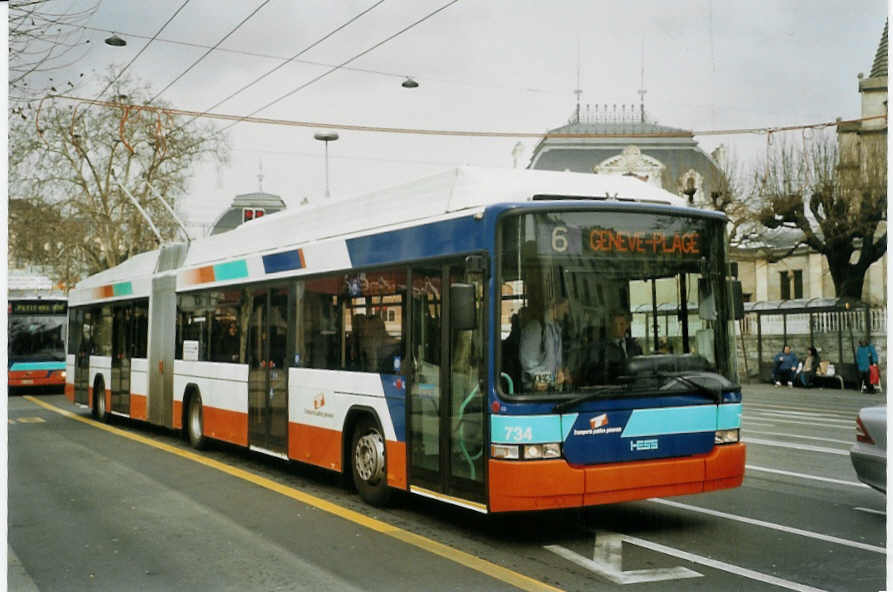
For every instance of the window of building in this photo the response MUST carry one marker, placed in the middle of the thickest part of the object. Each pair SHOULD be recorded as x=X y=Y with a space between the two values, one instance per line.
x=785 y=283
x=798 y=283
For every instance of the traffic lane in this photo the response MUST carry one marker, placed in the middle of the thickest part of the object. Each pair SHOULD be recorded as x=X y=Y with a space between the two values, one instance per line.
x=115 y=514
x=793 y=557
x=517 y=541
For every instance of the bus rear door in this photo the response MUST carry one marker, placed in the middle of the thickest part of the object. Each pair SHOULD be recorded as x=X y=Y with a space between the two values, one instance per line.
x=268 y=370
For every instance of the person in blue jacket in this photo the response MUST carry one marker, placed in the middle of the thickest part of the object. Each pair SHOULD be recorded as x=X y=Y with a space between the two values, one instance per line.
x=785 y=367
x=866 y=355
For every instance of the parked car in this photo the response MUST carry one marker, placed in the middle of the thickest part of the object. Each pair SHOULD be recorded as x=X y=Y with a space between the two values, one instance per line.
x=869 y=454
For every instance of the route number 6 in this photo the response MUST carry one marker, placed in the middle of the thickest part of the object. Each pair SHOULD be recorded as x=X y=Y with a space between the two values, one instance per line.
x=559 y=239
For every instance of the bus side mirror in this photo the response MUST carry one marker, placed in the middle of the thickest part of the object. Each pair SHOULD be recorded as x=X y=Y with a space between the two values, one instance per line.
x=462 y=310
x=737 y=295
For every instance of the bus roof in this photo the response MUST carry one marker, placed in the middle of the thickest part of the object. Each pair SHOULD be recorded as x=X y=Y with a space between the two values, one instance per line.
x=452 y=193
x=447 y=194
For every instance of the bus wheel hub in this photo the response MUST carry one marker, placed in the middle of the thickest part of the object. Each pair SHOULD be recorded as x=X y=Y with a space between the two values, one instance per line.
x=369 y=457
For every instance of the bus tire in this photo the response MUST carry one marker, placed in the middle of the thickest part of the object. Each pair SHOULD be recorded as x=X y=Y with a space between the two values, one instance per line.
x=195 y=423
x=99 y=409
x=368 y=462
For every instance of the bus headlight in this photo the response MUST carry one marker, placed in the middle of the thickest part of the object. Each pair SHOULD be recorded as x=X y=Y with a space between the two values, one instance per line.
x=539 y=451
x=504 y=451
x=62 y=373
x=526 y=451
x=726 y=436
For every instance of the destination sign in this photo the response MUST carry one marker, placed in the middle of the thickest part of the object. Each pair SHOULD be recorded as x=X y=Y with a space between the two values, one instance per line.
x=38 y=308
x=618 y=241
x=573 y=240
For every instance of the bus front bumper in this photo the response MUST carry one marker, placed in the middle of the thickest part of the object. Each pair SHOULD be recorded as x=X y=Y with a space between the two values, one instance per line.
x=539 y=485
x=19 y=378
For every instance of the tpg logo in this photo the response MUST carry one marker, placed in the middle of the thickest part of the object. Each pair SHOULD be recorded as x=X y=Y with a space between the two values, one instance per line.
x=640 y=445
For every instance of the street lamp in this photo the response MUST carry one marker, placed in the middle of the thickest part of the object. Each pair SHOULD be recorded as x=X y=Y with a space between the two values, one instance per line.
x=329 y=137
x=115 y=41
x=409 y=83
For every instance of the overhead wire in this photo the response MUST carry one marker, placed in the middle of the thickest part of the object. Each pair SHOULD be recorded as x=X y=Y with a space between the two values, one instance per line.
x=291 y=59
x=146 y=46
x=280 y=58
x=207 y=53
x=344 y=63
x=467 y=133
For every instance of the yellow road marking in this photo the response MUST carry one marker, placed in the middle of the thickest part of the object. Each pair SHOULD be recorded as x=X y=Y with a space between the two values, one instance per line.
x=481 y=565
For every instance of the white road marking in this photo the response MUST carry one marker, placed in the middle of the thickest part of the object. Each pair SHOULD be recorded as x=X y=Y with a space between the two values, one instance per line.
x=835 y=411
x=787 y=435
x=818 y=421
x=788 y=529
x=849 y=427
x=607 y=562
x=721 y=565
x=751 y=422
x=826 y=416
x=870 y=511
x=780 y=444
x=804 y=476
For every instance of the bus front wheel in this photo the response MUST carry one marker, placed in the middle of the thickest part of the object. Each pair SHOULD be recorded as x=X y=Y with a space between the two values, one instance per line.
x=368 y=463
x=194 y=427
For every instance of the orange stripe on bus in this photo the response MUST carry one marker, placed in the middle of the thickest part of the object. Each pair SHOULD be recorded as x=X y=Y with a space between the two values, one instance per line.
x=138 y=406
x=69 y=391
x=314 y=445
x=90 y=397
x=177 y=420
x=395 y=453
x=226 y=425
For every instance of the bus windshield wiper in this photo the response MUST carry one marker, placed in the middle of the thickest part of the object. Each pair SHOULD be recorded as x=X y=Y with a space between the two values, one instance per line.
x=689 y=381
x=598 y=392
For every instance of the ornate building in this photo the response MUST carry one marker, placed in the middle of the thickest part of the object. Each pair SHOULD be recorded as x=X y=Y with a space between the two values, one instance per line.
x=619 y=140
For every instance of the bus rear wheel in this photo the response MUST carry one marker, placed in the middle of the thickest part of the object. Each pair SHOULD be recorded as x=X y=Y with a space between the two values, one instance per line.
x=99 y=410
x=194 y=424
x=369 y=464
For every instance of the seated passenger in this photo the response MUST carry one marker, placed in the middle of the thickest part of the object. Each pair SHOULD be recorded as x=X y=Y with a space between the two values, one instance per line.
x=612 y=352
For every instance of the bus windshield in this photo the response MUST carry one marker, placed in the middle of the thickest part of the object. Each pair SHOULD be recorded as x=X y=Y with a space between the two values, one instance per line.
x=37 y=330
x=595 y=301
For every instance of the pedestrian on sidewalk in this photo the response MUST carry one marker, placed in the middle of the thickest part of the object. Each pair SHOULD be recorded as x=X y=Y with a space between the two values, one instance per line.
x=785 y=367
x=866 y=357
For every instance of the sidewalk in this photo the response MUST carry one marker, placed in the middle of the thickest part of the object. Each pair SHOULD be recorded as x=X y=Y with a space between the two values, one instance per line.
x=852 y=395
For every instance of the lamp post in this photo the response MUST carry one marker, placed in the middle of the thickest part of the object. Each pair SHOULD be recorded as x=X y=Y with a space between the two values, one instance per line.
x=329 y=137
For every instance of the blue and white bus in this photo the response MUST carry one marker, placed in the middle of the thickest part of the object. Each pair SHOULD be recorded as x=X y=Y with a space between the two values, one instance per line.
x=393 y=336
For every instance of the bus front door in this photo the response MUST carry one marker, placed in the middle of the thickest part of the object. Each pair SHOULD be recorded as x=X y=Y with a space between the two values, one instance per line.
x=268 y=371
x=446 y=391
x=120 y=375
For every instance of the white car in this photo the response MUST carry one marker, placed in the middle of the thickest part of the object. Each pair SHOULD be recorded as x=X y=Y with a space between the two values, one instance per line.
x=869 y=454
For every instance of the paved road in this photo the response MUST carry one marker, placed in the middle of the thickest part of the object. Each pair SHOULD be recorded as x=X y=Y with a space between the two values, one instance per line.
x=92 y=509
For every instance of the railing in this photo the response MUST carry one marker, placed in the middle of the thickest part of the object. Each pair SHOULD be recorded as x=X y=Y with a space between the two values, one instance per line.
x=823 y=322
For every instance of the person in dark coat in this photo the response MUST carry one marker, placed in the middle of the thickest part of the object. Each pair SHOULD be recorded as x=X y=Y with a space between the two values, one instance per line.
x=785 y=367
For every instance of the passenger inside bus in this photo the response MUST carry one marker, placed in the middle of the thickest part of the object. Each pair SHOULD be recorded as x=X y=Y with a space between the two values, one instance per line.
x=541 y=350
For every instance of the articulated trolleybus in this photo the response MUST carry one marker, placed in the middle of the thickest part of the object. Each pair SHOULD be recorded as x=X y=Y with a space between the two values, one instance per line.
x=500 y=340
x=36 y=340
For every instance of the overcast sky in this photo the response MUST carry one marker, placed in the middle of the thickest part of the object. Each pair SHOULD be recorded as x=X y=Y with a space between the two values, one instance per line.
x=494 y=65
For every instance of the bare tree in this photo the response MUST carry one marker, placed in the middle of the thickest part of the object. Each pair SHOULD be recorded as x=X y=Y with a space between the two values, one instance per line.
x=841 y=214
x=45 y=38
x=66 y=159
x=729 y=194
